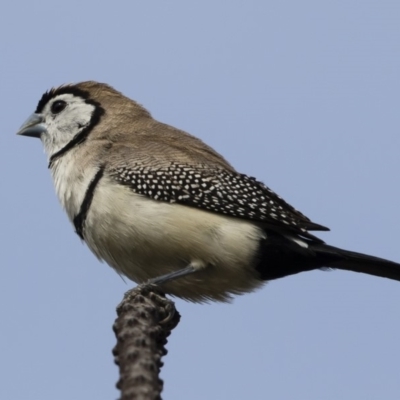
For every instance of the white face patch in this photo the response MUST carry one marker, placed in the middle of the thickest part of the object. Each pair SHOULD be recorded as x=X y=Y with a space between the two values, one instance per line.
x=62 y=127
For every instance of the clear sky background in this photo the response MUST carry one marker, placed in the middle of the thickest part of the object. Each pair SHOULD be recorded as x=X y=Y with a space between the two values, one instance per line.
x=304 y=95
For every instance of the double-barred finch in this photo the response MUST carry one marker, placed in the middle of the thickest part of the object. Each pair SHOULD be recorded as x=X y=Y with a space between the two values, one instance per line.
x=159 y=205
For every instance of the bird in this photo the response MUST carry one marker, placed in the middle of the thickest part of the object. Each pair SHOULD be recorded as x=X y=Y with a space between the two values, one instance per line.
x=162 y=207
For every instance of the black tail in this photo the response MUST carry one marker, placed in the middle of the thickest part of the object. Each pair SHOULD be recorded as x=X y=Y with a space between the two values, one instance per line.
x=358 y=262
x=280 y=256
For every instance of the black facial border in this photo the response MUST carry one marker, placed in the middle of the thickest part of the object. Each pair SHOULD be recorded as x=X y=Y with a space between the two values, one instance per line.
x=82 y=135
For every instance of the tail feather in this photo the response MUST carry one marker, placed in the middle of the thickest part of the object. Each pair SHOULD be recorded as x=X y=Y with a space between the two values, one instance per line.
x=281 y=256
x=358 y=262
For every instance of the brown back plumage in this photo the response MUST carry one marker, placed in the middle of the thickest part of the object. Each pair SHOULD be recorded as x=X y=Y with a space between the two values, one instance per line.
x=125 y=118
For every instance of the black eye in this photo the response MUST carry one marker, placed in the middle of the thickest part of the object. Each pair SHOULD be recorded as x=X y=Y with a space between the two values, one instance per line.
x=58 y=106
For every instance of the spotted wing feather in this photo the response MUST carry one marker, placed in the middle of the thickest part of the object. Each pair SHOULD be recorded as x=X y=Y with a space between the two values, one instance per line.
x=216 y=190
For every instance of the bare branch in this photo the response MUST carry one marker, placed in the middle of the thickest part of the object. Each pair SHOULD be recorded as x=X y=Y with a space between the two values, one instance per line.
x=145 y=320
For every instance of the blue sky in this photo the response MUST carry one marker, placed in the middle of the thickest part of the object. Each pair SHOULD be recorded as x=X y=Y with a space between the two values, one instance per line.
x=302 y=95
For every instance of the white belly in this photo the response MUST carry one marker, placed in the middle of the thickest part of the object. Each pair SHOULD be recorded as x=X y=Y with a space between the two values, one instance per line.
x=143 y=238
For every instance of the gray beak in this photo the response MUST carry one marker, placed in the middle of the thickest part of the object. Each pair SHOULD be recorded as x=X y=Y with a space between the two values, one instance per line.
x=33 y=126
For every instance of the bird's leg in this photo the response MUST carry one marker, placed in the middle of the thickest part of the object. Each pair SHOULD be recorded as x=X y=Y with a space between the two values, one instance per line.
x=149 y=285
x=172 y=275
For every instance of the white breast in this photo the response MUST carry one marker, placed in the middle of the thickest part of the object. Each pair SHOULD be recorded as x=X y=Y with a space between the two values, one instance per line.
x=71 y=182
x=143 y=238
